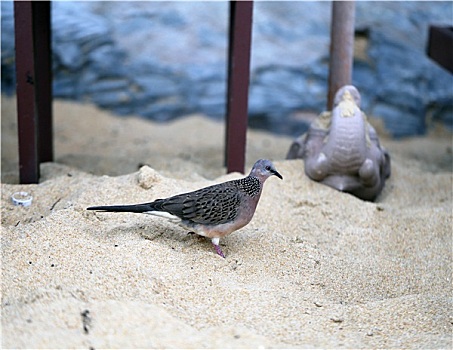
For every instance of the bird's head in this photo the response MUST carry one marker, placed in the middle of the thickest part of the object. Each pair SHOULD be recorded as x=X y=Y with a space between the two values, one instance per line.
x=263 y=169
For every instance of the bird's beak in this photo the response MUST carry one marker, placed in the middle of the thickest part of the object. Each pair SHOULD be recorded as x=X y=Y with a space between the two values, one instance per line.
x=276 y=173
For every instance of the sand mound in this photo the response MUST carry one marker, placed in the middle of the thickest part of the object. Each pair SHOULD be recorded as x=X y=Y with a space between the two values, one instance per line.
x=314 y=268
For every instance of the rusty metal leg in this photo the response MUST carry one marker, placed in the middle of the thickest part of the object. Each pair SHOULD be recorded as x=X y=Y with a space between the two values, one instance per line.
x=43 y=83
x=341 y=47
x=33 y=90
x=27 y=119
x=238 y=83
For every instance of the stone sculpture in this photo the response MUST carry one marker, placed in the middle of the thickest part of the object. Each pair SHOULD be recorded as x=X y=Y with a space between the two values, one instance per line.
x=341 y=149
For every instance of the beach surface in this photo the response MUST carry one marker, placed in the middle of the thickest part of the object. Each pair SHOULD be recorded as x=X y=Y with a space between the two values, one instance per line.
x=315 y=268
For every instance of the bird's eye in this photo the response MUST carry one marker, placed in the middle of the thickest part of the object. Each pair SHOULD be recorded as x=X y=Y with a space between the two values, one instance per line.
x=268 y=168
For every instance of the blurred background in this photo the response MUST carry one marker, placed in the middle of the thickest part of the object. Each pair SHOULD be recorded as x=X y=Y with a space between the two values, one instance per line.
x=165 y=60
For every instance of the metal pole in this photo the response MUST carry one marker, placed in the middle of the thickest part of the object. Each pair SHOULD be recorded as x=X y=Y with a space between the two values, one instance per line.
x=27 y=118
x=43 y=84
x=33 y=87
x=240 y=33
x=341 y=47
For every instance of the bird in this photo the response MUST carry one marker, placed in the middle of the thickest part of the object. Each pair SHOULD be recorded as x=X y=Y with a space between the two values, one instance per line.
x=214 y=211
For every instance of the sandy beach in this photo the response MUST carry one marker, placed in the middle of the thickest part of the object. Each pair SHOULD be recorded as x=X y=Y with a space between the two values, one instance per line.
x=315 y=268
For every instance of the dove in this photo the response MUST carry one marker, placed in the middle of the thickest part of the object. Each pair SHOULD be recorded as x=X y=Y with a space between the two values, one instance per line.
x=214 y=211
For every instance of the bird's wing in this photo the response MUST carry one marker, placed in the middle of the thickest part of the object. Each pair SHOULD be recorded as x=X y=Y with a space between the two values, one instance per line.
x=211 y=205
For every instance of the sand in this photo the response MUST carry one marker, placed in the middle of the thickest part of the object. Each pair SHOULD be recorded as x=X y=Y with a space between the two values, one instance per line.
x=314 y=268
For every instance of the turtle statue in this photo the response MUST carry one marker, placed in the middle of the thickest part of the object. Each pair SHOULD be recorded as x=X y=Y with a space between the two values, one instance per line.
x=341 y=149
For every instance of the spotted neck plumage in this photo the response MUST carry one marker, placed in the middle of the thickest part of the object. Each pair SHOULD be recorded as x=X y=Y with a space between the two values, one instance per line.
x=250 y=185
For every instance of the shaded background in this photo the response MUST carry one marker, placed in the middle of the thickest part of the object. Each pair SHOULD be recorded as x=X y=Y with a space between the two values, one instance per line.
x=164 y=60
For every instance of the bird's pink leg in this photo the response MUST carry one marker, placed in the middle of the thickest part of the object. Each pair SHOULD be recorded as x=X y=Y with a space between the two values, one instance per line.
x=219 y=251
x=215 y=243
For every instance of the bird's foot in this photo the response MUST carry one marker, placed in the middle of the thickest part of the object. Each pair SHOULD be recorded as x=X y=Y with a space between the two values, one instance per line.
x=216 y=243
x=218 y=250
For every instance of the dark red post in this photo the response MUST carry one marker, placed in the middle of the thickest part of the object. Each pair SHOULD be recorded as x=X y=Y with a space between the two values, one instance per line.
x=33 y=86
x=43 y=86
x=341 y=47
x=240 y=35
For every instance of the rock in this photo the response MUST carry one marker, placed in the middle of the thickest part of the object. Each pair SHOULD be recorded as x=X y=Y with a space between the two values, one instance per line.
x=171 y=60
x=147 y=177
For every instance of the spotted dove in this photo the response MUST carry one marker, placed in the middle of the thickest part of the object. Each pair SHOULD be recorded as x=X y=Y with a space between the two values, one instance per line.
x=214 y=211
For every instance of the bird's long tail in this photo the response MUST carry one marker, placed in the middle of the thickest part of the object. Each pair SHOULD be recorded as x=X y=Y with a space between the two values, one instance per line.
x=135 y=208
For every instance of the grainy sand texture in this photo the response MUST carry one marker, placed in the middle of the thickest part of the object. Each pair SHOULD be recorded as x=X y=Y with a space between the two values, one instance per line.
x=315 y=268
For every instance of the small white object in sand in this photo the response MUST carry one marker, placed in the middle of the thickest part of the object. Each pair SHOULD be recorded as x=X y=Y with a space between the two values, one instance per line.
x=23 y=199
